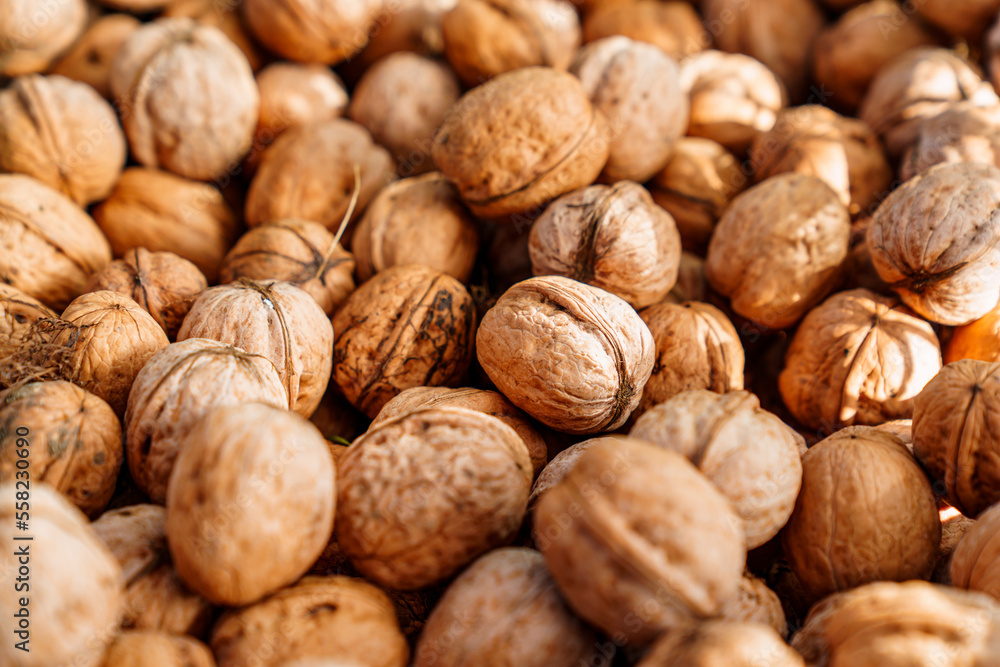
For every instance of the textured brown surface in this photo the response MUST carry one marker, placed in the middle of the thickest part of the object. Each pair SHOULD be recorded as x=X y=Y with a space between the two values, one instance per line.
x=962 y=19
x=294 y=94
x=227 y=16
x=735 y=644
x=674 y=27
x=756 y=603
x=29 y=51
x=18 y=312
x=979 y=339
x=560 y=465
x=975 y=563
x=327 y=31
x=157 y=649
x=963 y=132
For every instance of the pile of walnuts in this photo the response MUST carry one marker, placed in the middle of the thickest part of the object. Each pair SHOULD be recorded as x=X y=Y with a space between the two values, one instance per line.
x=521 y=333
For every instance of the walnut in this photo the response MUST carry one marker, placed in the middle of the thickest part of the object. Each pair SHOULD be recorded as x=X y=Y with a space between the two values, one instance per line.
x=697 y=347
x=963 y=132
x=277 y=320
x=657 y=545
x=261 y=514
x=75 y=609
x=136 y=6
x=831 y=545
x=58 y=245
x=296 y=251
x=967 y=19
x=312 y=621
x=416 y=503
x=556 y=470
x=506 y=593
x=733 y=98
x=521 y=140
x=418 y=220
x=409 y=326
x=484 y=38
x=975 y=564
x=858 y=358
x=32 y=37
x=780 y=249
x=414 y=25
x=917 y=85
x=674 y=27
x=308 y=173
x=162 y=283
x=841 y=151
x=150 y=648
x=177 y=387
x=78 y=436
x=18 y=313
x=610 y=236
x=89 y=59
x=696 y=185
x=227 y=17
x=589 y=373
x=738 y=644
x=977 y=340
x=953 y=531
x=155 y=598
x=936 y=241
x=756 y=603
x=205 y=130
x=902 y=429
x=487 y=402
x=327 y=32
x=158 y=211
x=848 y=53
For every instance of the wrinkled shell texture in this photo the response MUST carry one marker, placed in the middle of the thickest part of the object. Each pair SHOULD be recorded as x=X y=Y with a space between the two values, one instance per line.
x=830 y=545
x=293 y=94
x=637 y=87
x=859 y=358
x=178 y=386
x=18 y=312
x=697 y=347
x=77 y=608
x=414 y=26
x=418 y=220
x=416 y=502
x=316 y=618
x=58 y=245
x=89 y=60
x=756 y=603
x=977 y=340
x=190 y=102
x=614 y=237
x=296 y=251
x=158 y=211
x=30 y=45
x=230 y=509
x=227 y=17
x=936 y=241
x=165 y=285
x=521 y=140
x=779 y=249
x=308 y=174
x=505 y=610
x=572 y=356
x=409 y=326
x=62 y=133
x=155 y=597
x=955 y=419
x=157 y=649
x=962 y=133
x=722 y=643
x=560 y=465
x=674 y=27
x=277 y=320
x=975 y=564
x=327 y=31
x=635 y=527
x=747 y=452
x=76 y=441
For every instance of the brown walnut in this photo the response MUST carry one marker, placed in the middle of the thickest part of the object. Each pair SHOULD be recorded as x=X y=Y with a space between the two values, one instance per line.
x=225 y=15
x=307 y=31
x=29 y=45
x=737 y=644
x=18 y=315
x=556 y=470
x=674 y=27
x=975 y=564
x=151 y=648
x=967 y=19
x=756 y=603
x=977 y=340
x=415 y=26
x=963 y=132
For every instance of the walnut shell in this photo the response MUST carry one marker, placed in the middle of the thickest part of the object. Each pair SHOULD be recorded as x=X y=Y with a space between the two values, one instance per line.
x=657 y=545
x=733 y=98
x=409 y=326
x=487 y=402
x=844 y=152
x=484 y=38
x=977 y=340
x=963 y=132
x=150 y=648
x=227 y=17
x=416 y=504
x=418 y=220
x=277 y=320
x=296 y=251
x=326 y=32
x=975 y=564
x=188 y=96
x=780 y=249
x=162 y=283
x=943 y=259
x=520 y=140
x=902 y=429
x=674 y=27
x=413 y=25
x=967 y=19
x=155 y=597
x=318 y=620
x=58 y=245
x=747 y=452
x=832 y=546
x=158 y=211
x=250 y=502
x=572 y=356
x=858 y=358
x=179 y=385
x=75 y=610
x=308 y=173
x=505 y=594
x=756 y=603
x=18 y=314
x=136 y=6
x=722 y=642
x=697 y=347
x=556 y=470
x=32 y=36
x=696 y=185
x=79 y=450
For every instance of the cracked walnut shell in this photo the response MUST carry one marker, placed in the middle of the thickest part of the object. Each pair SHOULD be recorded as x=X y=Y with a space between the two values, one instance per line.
x=18 y=315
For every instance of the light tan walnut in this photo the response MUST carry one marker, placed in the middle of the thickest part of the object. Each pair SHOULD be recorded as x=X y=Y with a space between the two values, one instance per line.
x=326 y=32
x=225 y=15
x=963 y=132
x=737 y=644
x=674 y=27
x=756 y=603
x=151 y=648
x=29 y=45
